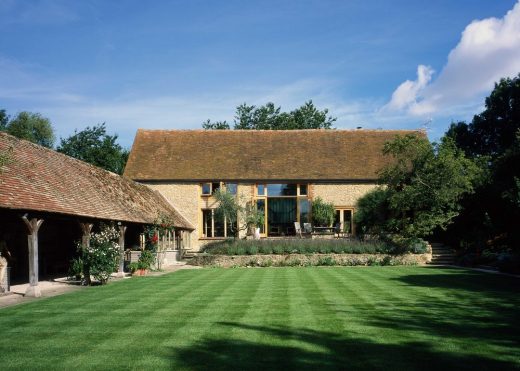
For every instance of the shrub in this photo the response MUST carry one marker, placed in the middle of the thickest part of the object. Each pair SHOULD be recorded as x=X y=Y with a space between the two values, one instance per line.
x=266 y=263
x=265 y=248
x=133 y=267
x=75 y=270
x=322 y=212
x=303 y=246
x=146 y=260
x=293 y=263
x=101 y=258
x=252 y=250
x=508 y=263
x=327 y=261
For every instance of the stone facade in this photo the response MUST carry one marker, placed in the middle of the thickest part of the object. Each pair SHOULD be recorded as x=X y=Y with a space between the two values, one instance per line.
x=186 y=197
x=341 y=195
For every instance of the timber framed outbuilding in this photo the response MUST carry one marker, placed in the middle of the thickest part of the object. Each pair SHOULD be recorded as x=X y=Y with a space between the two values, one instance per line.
x=49 y=200
x=281 y=172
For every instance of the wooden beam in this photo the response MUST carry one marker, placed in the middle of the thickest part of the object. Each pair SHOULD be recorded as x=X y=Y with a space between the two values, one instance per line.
x=33 y=225
x=86 y=228
x=122 y=230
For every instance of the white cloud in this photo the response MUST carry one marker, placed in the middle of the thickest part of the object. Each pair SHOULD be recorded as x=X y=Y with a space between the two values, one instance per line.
x=406 y=94
x=488 y=50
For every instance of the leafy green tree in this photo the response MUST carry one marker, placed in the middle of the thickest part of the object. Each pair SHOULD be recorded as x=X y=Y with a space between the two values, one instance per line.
x=4 y=119
x=31 y=126
x=322 y=212
x=493 y=131
x=422 y=189
x=240 y=215
x=270 y=117
x=217 y=125
x=489 y=216
x=95 y=146
x=373 y=212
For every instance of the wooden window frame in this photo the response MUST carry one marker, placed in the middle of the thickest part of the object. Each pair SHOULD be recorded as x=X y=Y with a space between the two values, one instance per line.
x=352 y=211
x=265 y=197
x=202 y=235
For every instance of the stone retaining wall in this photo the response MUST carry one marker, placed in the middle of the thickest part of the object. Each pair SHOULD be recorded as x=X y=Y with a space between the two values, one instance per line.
x=168 y=257
x=228 y=261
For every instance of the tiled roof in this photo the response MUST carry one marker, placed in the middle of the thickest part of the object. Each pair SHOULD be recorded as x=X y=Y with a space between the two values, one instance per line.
x=162 y=155
x=41 y=179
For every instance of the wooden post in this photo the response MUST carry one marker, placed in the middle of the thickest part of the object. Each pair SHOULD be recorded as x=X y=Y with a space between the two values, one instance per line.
x=122 y=230
x=86 y=228
x=33 y=226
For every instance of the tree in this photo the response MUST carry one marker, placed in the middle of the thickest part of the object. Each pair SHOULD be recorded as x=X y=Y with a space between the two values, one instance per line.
x=492 y=138
x=493 y=131
x=217 y=125
x=421 y=189
x=237 y=211
x=31 y=126
x=322 y=212
x=4 y=119
x=270 y=117
x=95 y=146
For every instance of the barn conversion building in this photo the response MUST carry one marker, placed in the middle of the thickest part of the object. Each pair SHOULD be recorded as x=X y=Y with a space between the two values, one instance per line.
x=281 y=172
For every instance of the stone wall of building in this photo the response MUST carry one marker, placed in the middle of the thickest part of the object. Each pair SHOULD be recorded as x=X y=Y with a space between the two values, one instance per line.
x=341 y=195
x=185 y=197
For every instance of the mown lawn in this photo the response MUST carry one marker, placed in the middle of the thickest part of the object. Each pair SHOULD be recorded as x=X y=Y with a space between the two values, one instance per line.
x=274 y=318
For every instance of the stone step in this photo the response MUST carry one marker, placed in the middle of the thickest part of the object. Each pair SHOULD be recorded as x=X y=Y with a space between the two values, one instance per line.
x=442 y=261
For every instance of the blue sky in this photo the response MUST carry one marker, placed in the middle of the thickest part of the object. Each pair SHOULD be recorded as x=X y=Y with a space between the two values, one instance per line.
x=174 y=64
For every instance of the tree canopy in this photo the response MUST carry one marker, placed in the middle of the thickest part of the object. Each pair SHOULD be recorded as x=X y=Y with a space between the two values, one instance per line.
x=270 y=117
x=421 y=189
x=95 y=146
x=30 y=126
x=490 y=216
x=493 y=131
x=4 y=119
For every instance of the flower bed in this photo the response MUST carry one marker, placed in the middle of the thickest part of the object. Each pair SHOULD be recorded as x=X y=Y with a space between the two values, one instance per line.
x=304 y=246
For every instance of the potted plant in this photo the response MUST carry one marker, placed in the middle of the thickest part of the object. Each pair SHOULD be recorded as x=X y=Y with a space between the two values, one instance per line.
x=134 y=267
x=254 y=219
x=145 y=262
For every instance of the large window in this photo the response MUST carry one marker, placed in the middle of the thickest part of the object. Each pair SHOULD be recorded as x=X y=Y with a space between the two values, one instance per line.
x=276 y=190
x=283 y=204
x=212 y=226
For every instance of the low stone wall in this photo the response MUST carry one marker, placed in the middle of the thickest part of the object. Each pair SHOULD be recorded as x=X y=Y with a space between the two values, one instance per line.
x=228 y=261
x=168 y=257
